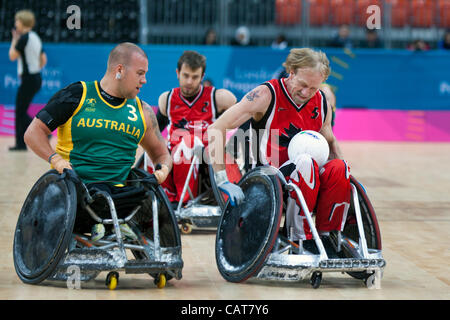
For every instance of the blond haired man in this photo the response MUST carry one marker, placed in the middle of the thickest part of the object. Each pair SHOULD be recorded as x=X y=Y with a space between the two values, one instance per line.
x=26 y=47
x=279 y=109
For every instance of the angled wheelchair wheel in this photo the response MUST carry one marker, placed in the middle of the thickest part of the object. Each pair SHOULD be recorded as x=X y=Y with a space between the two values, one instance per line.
x=44 y=228
x=169 y=233
x=247 y=233
x=140 y=162
x=370 y=225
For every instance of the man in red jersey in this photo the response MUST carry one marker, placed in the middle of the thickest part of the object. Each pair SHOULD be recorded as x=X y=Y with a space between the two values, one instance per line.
x=187 y=111
x=279 y=109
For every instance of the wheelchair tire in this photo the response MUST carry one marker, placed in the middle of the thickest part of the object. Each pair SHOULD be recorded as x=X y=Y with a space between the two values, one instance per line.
x=370 y=225
x=247 y=233
x=44 y=227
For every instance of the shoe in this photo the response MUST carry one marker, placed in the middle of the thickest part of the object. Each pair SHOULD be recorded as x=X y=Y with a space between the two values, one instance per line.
x=16 y=148
x=127 y=232
x=98 y=232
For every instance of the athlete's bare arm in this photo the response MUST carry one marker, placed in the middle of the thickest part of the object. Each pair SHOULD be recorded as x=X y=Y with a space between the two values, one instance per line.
x=36 y=138
x=224 y=99
x=327 y=132
x=162 y=103
x=153 y=143
x=253 y=105
x=329 y=94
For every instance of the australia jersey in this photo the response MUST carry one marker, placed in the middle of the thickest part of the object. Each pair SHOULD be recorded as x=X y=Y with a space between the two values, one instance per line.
x=282 y=120
x=99 y=139
x=194 y=116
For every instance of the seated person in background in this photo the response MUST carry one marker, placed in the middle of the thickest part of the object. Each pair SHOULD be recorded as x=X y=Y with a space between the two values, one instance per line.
x=331 y=99
x=100 y=125
x=188 y=111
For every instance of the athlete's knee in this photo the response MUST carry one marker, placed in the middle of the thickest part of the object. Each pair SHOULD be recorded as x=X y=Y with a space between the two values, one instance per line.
x=335 y=169
x=306 y=167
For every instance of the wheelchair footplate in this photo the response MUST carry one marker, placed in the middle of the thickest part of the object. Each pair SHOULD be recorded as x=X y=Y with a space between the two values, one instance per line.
x=287 y=263
x=199 y=216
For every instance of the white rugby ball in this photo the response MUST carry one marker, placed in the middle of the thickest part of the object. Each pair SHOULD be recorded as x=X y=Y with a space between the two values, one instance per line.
x=311 y=143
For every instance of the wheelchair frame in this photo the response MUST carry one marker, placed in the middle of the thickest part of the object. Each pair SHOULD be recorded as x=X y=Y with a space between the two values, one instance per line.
x=194 y=213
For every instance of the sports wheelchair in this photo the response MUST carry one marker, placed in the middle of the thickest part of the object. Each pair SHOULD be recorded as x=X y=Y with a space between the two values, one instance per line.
x=204 y=210
x=250 y=241
x=50 y=241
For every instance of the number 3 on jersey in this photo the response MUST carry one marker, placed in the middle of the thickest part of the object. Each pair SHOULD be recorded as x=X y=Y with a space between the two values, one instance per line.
x=134 y=116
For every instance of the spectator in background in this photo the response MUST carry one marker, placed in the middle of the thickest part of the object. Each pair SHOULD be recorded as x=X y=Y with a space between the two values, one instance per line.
x=280 y=42
x=342 y=39
x=210 y=37
x=444 y=43
x=208 y=83
x=242 y=37
x=26 y=47
x=418 y=45
x=372 y=41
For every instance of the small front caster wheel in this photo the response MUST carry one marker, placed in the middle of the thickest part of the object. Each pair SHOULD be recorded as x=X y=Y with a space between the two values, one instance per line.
x=161 y=281
x=112 y=280
x=186 y=228
x=316 y=279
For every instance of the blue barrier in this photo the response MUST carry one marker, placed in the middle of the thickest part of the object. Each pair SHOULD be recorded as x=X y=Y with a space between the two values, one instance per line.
x=372 y=79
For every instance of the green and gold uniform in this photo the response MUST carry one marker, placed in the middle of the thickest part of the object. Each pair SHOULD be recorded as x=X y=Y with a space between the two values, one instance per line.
x=99 y=139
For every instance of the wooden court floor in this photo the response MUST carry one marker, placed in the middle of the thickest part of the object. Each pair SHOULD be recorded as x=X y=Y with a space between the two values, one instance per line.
x=408 y=184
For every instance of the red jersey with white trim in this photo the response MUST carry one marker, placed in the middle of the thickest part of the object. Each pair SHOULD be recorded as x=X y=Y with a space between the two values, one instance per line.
x=194 y=116
x=284 y=119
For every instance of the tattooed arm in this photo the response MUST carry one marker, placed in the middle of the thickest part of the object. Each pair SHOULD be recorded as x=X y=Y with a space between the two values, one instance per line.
x=153 y=143
x=253 y=105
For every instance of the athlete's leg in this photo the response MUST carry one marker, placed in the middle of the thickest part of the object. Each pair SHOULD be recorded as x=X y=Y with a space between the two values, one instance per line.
x=304 y=172
x=334 y=196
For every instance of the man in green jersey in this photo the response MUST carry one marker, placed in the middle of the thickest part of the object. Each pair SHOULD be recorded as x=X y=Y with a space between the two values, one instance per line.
x=101 y=123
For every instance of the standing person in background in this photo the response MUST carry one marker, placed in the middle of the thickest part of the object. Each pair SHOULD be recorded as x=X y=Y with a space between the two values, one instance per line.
x=26 y=47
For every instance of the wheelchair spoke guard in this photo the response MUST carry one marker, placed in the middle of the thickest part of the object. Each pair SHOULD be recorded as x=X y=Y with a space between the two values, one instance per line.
x=247 y=233
x=44 y=228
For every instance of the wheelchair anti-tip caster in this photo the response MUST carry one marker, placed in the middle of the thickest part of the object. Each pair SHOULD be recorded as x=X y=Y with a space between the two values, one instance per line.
x=316 y=279
x=112 y=280
x=373 y=280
